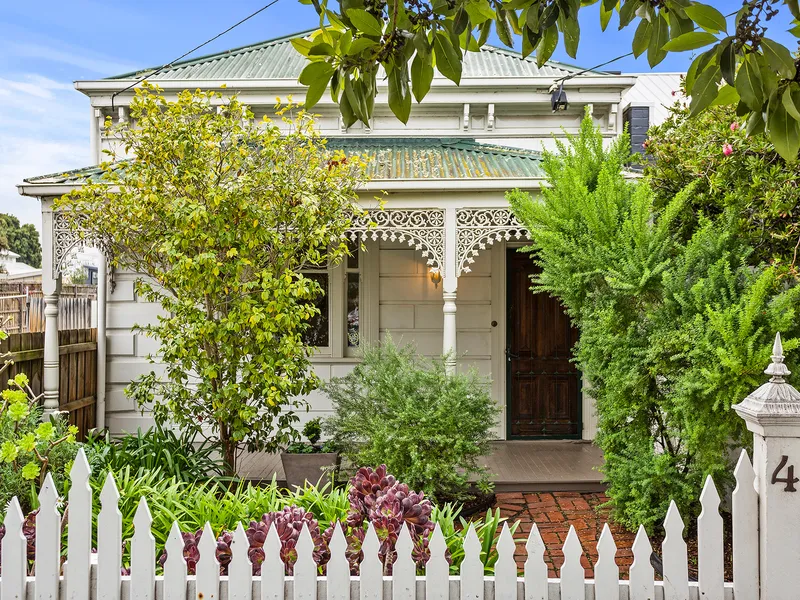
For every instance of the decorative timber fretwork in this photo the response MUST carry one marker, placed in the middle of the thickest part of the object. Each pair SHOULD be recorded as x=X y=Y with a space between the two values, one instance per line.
x=421 y=228
x=480 y=227
x=67 y=237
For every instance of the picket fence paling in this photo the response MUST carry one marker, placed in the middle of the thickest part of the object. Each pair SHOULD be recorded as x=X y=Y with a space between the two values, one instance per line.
x=48 y=542
x=175 y=568
x=505 y=570
x=745 y=531
x=709 y=544
x=240 y=581
x=371 y=583
x=606 y=578
x=109 y=543
x=14 y=554
x=79 y=535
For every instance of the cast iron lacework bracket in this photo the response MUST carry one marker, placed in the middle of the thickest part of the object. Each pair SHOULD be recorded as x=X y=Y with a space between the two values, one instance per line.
x=422 y=229
x=477 y=228
x=67 y=238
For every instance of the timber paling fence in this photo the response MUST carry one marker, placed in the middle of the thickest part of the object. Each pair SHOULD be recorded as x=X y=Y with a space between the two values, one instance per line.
x=77 y=390
x=88 y=576
x=22 y=307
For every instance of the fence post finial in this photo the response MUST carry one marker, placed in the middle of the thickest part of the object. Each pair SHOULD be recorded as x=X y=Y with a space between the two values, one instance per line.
x=772 y=413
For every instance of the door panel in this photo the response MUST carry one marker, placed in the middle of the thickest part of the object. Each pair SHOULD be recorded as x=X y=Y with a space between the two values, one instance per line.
x=543 y=384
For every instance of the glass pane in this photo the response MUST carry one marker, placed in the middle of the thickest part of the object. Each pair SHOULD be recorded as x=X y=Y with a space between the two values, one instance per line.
x=317 y=332
x=352 y=310
x=352 y=258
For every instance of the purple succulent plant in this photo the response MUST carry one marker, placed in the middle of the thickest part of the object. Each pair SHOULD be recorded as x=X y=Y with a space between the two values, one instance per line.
x=191 y=552
x=288 y=524
x=378 y=498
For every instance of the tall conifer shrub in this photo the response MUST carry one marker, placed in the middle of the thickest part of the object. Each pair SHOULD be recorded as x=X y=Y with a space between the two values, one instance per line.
x=673 y=328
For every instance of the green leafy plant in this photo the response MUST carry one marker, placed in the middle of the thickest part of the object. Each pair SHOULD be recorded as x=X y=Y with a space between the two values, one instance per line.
x=454 y=528
x=410 y=39
x=676 y=320
x=427 y=426
x=220 y=215
x=181 y=456
x=30 y=448
x=312 y=432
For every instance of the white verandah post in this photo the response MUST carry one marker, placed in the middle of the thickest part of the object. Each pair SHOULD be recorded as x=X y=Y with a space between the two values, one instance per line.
x=449 y=289
x=51 y=288
x=772 y=413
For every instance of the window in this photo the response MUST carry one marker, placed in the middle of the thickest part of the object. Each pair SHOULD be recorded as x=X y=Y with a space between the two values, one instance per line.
x=318 y=333
x=337 y=327
x=353 y=284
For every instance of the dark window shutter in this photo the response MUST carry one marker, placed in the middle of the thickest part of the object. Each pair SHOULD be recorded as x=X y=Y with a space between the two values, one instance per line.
x=637 y=118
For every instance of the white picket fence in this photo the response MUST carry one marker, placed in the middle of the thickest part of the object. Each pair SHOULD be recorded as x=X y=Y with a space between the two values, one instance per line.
x=83 y=578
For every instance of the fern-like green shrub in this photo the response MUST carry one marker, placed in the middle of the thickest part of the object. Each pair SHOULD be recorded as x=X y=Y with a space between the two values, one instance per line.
x=675 y=325
x=402 y=410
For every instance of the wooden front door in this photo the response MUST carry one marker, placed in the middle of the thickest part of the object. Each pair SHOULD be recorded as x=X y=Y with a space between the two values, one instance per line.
x=543 y=385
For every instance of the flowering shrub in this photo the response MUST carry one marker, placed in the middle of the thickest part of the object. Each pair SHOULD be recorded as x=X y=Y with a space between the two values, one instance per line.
x=734 y=173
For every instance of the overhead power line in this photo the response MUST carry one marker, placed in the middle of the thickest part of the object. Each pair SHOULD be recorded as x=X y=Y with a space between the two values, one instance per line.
x=193 y=50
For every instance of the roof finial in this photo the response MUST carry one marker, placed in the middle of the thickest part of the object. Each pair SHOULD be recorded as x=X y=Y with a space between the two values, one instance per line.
x=777 y=369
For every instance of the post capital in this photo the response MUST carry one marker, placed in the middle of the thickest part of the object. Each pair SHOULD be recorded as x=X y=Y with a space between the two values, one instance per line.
x=776 y=404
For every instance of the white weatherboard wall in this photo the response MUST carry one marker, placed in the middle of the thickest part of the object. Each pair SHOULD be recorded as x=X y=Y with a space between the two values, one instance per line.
x=127 y=359
x=396 y=286
x=659 y=91
x=411 y=307
x=127 y=352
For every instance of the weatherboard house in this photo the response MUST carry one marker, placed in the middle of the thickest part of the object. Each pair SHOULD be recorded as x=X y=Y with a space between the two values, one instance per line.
x=440 y=270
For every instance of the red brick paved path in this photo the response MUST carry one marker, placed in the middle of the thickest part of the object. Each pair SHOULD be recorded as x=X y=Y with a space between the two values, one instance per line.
x=553 y=513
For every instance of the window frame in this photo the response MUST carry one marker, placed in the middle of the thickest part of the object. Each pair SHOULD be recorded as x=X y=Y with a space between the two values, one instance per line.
x=336 y=297
x=326 y=270
x=348 y=350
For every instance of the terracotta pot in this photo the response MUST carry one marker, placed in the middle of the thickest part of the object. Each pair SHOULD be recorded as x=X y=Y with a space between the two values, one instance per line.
x=313 y=468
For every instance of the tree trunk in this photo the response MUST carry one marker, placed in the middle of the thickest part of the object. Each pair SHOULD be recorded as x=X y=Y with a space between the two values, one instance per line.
x=228 y=449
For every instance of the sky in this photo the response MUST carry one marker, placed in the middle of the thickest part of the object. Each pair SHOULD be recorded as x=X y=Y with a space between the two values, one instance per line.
x=47 y=45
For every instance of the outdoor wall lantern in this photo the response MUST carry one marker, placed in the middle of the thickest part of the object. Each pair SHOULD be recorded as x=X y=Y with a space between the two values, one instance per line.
x=558 y=99
x=436 y=277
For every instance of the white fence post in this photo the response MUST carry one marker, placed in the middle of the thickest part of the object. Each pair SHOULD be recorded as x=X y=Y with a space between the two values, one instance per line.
x=772 y=413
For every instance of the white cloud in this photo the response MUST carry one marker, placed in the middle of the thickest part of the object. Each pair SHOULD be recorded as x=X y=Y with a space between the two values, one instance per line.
x=44 y=128
x=69 y=56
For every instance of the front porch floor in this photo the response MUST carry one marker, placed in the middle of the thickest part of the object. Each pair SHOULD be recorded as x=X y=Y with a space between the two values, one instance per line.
x=516 y=466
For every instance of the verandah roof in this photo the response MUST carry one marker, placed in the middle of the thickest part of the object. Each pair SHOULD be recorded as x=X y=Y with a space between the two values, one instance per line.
x=398 y=159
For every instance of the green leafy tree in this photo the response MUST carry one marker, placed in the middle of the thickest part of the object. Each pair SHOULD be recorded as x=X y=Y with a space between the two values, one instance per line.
x=410 y=39
x=731 y=172
x=22 y=239
x=220 y=215
x=675 y=324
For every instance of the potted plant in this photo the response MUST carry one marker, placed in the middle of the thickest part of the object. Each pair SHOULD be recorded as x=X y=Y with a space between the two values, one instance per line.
x=309 y=461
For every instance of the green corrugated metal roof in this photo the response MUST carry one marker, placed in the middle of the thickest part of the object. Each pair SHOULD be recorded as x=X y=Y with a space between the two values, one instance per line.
x=399 y=158
x=277 y=59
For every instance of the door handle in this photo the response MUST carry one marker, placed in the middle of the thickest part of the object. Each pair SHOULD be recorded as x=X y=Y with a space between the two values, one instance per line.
x=510 y=355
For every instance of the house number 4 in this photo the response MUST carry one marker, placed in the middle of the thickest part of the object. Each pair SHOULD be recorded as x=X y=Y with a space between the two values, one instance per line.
x=790 y=479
